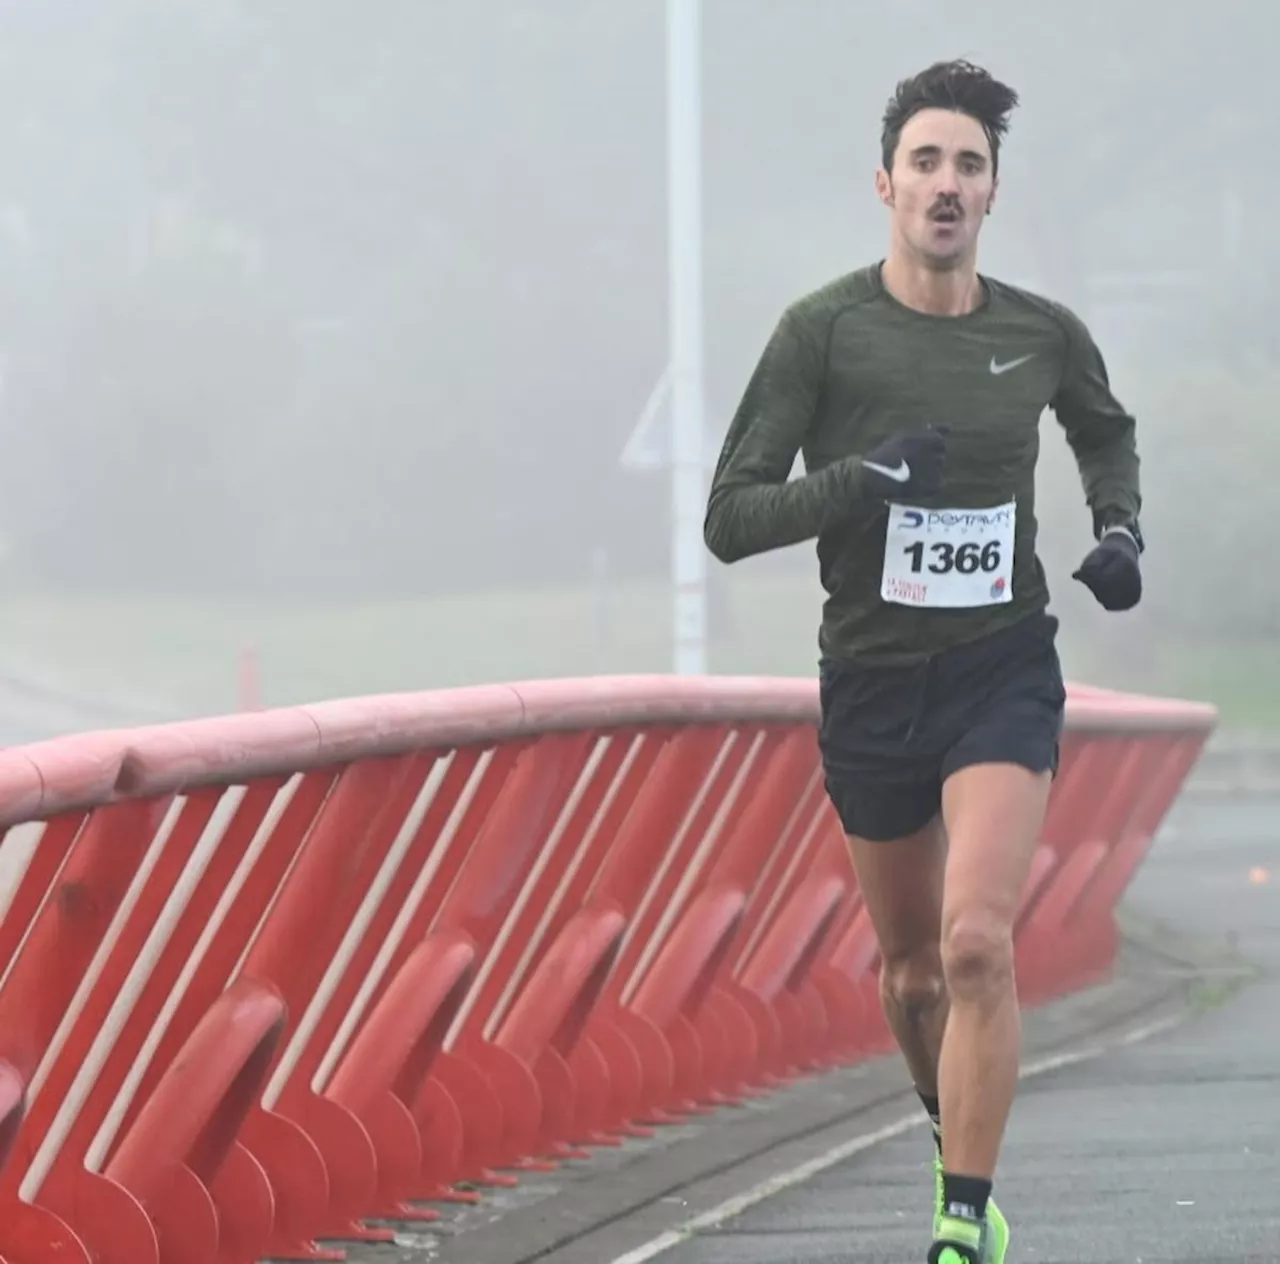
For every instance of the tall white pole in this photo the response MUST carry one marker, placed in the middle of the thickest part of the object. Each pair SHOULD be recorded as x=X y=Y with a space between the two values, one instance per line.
x=684 y=254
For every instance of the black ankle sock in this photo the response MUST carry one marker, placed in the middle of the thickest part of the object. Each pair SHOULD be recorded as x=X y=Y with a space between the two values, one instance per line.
x=965 y=1196
x=935 y=1117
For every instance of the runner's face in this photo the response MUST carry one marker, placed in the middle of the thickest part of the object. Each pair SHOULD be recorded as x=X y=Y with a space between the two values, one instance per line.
x=940 y=188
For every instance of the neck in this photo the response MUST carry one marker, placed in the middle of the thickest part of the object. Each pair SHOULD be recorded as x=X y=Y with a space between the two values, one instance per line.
x=955 y=292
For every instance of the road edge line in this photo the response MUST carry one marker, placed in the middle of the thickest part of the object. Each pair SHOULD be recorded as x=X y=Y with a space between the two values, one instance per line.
x=763 y=1190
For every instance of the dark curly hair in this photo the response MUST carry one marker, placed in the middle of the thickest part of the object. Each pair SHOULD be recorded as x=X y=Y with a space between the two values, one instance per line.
x=949 y=85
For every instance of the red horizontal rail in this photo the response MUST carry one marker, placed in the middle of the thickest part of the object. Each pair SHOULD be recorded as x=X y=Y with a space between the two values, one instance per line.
x=269 y=978
x=51 y=777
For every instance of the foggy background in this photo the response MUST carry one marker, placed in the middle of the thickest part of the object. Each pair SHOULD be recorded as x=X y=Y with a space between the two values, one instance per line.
x=323 y=326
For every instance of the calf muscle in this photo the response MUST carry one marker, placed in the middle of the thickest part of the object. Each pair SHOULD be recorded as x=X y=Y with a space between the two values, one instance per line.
x=901 y=885
x=994 y=814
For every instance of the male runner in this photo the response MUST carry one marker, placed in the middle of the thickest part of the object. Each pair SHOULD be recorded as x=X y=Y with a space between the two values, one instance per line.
x=914 y=388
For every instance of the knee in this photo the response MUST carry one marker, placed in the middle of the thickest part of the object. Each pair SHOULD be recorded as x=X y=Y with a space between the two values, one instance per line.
x=913 y=981
x=977 y=954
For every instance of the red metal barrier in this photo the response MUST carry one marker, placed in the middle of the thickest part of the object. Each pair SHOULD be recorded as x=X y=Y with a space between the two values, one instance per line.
x=279 y=979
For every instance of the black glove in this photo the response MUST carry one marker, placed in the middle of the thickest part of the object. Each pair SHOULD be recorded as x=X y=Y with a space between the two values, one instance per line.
x=1111 y=571
x=906 y=465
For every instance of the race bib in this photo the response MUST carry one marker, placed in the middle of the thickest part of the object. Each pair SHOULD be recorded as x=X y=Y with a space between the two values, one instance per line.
x=949 y=558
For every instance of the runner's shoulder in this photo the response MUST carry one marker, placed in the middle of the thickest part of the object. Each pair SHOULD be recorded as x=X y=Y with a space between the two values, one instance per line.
x=1036 y=308
x=815 y=312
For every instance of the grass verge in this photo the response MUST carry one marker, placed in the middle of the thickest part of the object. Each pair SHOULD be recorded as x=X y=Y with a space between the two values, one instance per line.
x=181 y=654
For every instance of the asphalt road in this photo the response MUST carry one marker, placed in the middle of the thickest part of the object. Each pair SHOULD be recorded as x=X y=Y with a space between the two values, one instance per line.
x=1164 y=1151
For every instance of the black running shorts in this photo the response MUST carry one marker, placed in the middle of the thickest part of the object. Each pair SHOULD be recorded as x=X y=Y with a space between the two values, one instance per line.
x=891 y=736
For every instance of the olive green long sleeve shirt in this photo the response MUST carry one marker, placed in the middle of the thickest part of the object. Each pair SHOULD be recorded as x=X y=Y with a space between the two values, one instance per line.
x=849 y=366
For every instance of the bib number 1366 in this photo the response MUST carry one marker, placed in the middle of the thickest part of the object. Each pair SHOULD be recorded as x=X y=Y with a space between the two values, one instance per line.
x=949 y=558
x=945 y=556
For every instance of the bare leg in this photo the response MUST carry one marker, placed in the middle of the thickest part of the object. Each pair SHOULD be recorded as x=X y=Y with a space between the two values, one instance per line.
x=901 y=884
x=993 y=814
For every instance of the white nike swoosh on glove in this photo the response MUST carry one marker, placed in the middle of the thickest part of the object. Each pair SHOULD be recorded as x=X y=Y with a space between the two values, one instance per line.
x=899 y=475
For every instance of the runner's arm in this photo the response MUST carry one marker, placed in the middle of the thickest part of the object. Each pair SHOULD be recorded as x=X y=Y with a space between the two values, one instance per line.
x=1100 y=432
x=753 y=506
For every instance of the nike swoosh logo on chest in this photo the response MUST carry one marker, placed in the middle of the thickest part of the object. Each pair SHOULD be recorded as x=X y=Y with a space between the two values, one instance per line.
x=998 y=367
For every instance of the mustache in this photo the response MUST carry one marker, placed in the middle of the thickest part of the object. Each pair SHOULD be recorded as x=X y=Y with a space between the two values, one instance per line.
x=946 y=203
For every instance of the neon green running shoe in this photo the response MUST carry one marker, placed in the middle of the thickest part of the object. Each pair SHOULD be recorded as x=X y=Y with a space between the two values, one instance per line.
x=957 y=1242
x=995 y=1232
